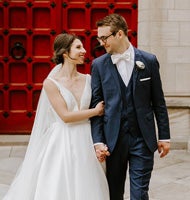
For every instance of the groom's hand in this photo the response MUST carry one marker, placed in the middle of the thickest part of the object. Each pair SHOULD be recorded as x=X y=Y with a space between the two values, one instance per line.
x=101 y=152
x=163 y=148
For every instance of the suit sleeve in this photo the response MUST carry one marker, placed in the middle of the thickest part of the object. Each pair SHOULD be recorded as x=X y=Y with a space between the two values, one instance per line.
x=97 y=96
x=158 y=102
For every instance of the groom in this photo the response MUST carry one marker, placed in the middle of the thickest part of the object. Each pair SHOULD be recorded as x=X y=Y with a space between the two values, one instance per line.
x=128 y=81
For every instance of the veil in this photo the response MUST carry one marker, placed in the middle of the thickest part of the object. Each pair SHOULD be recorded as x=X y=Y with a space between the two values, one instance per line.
x=23 y=184
x=41 y=122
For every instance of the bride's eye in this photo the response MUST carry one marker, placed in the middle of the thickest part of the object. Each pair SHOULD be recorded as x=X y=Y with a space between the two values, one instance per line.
x=78 y=47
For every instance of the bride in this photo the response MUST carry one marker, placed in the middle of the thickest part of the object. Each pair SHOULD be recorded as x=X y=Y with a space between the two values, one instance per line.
x=60 y=161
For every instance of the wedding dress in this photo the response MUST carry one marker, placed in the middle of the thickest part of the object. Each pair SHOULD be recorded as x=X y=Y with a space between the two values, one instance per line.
x=60 y=162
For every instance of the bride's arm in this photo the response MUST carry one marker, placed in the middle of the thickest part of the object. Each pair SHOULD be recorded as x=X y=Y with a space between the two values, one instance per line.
x=59 y=105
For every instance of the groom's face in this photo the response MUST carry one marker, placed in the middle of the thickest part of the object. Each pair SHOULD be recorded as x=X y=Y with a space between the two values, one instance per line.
x=107 y=39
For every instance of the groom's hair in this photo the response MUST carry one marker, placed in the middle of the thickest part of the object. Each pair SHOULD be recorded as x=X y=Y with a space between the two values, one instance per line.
x=115 y=21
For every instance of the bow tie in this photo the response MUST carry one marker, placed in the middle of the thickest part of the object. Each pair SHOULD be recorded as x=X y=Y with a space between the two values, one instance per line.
x=117 y=57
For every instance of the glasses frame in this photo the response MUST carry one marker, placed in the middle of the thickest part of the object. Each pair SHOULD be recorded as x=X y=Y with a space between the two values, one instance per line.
x=104 y=38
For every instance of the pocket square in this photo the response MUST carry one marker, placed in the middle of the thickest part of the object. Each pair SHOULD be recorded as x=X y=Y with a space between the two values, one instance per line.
x=145 y=79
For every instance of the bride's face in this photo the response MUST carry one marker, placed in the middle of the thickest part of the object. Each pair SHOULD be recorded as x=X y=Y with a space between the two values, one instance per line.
x=77 y=52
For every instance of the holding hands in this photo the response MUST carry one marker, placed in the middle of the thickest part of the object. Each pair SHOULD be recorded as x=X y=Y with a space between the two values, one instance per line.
x=100 y=148
x=101 y=152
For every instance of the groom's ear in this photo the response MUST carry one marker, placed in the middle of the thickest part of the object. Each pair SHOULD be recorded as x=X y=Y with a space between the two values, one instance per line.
x=120 y=33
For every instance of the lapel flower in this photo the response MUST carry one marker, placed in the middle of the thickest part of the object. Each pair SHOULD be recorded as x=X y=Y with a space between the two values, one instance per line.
x=140 y=65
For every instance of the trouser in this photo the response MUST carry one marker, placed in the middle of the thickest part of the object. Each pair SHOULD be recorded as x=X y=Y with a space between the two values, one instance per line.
x=130 y=152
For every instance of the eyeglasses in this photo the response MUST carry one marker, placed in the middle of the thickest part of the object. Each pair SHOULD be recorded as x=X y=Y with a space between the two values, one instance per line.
x=104 y=38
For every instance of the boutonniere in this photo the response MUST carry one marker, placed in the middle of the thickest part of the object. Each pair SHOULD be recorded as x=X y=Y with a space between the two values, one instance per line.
x=140 y=65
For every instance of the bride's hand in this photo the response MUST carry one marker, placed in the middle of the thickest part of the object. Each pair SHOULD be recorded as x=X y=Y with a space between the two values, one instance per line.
x=100 y=108
x=101 y=152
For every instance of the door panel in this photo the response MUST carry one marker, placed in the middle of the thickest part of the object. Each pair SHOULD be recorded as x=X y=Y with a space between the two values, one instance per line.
x=27 y=32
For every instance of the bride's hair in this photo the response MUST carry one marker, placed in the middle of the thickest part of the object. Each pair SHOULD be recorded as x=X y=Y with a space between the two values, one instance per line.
x=62 y=44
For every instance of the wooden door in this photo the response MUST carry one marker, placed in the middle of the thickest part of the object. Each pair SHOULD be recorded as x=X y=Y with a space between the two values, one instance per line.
x=27 y=31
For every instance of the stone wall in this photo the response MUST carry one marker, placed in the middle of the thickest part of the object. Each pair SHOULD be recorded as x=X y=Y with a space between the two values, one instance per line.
x=164 y=29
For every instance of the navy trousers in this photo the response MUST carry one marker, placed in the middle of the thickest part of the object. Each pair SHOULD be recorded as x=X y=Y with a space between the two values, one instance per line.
x=130 y=153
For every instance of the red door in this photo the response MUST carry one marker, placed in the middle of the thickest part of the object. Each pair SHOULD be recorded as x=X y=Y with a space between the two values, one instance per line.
x=27 y=31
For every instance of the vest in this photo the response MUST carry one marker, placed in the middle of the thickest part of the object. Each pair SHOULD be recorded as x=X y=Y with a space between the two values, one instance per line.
x=129 y=123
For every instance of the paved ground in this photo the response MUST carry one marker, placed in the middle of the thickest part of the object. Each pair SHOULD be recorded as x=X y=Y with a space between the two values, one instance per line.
x=170 y=178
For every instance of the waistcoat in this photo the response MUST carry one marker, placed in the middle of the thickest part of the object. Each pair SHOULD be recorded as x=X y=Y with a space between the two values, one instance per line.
x=129 y=123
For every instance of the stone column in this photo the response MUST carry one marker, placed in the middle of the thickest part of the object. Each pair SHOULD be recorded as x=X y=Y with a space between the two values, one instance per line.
x=164 y=29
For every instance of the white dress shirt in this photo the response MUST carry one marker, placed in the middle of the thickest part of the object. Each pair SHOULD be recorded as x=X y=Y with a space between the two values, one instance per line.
x=125 y=67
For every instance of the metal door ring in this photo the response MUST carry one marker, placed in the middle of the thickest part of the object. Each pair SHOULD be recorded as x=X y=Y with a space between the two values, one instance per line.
x=18 y=52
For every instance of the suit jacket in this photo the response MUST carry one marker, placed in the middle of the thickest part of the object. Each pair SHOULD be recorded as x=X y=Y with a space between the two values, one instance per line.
x=147 y=95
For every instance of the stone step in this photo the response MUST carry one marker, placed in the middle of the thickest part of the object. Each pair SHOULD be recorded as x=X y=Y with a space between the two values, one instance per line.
x=18 y=140
x=14 y=140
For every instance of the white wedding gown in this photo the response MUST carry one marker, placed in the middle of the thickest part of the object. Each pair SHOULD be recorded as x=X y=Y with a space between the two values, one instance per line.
x=61 y=163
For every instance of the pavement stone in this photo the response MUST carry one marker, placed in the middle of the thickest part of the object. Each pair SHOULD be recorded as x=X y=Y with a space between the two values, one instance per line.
x=170 y=178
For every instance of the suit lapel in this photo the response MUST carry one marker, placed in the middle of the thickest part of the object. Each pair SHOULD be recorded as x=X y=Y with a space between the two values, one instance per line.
x=112 y=68
x=135 y=71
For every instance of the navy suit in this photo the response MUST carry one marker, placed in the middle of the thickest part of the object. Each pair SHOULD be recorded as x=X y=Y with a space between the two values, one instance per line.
x=148 y=101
